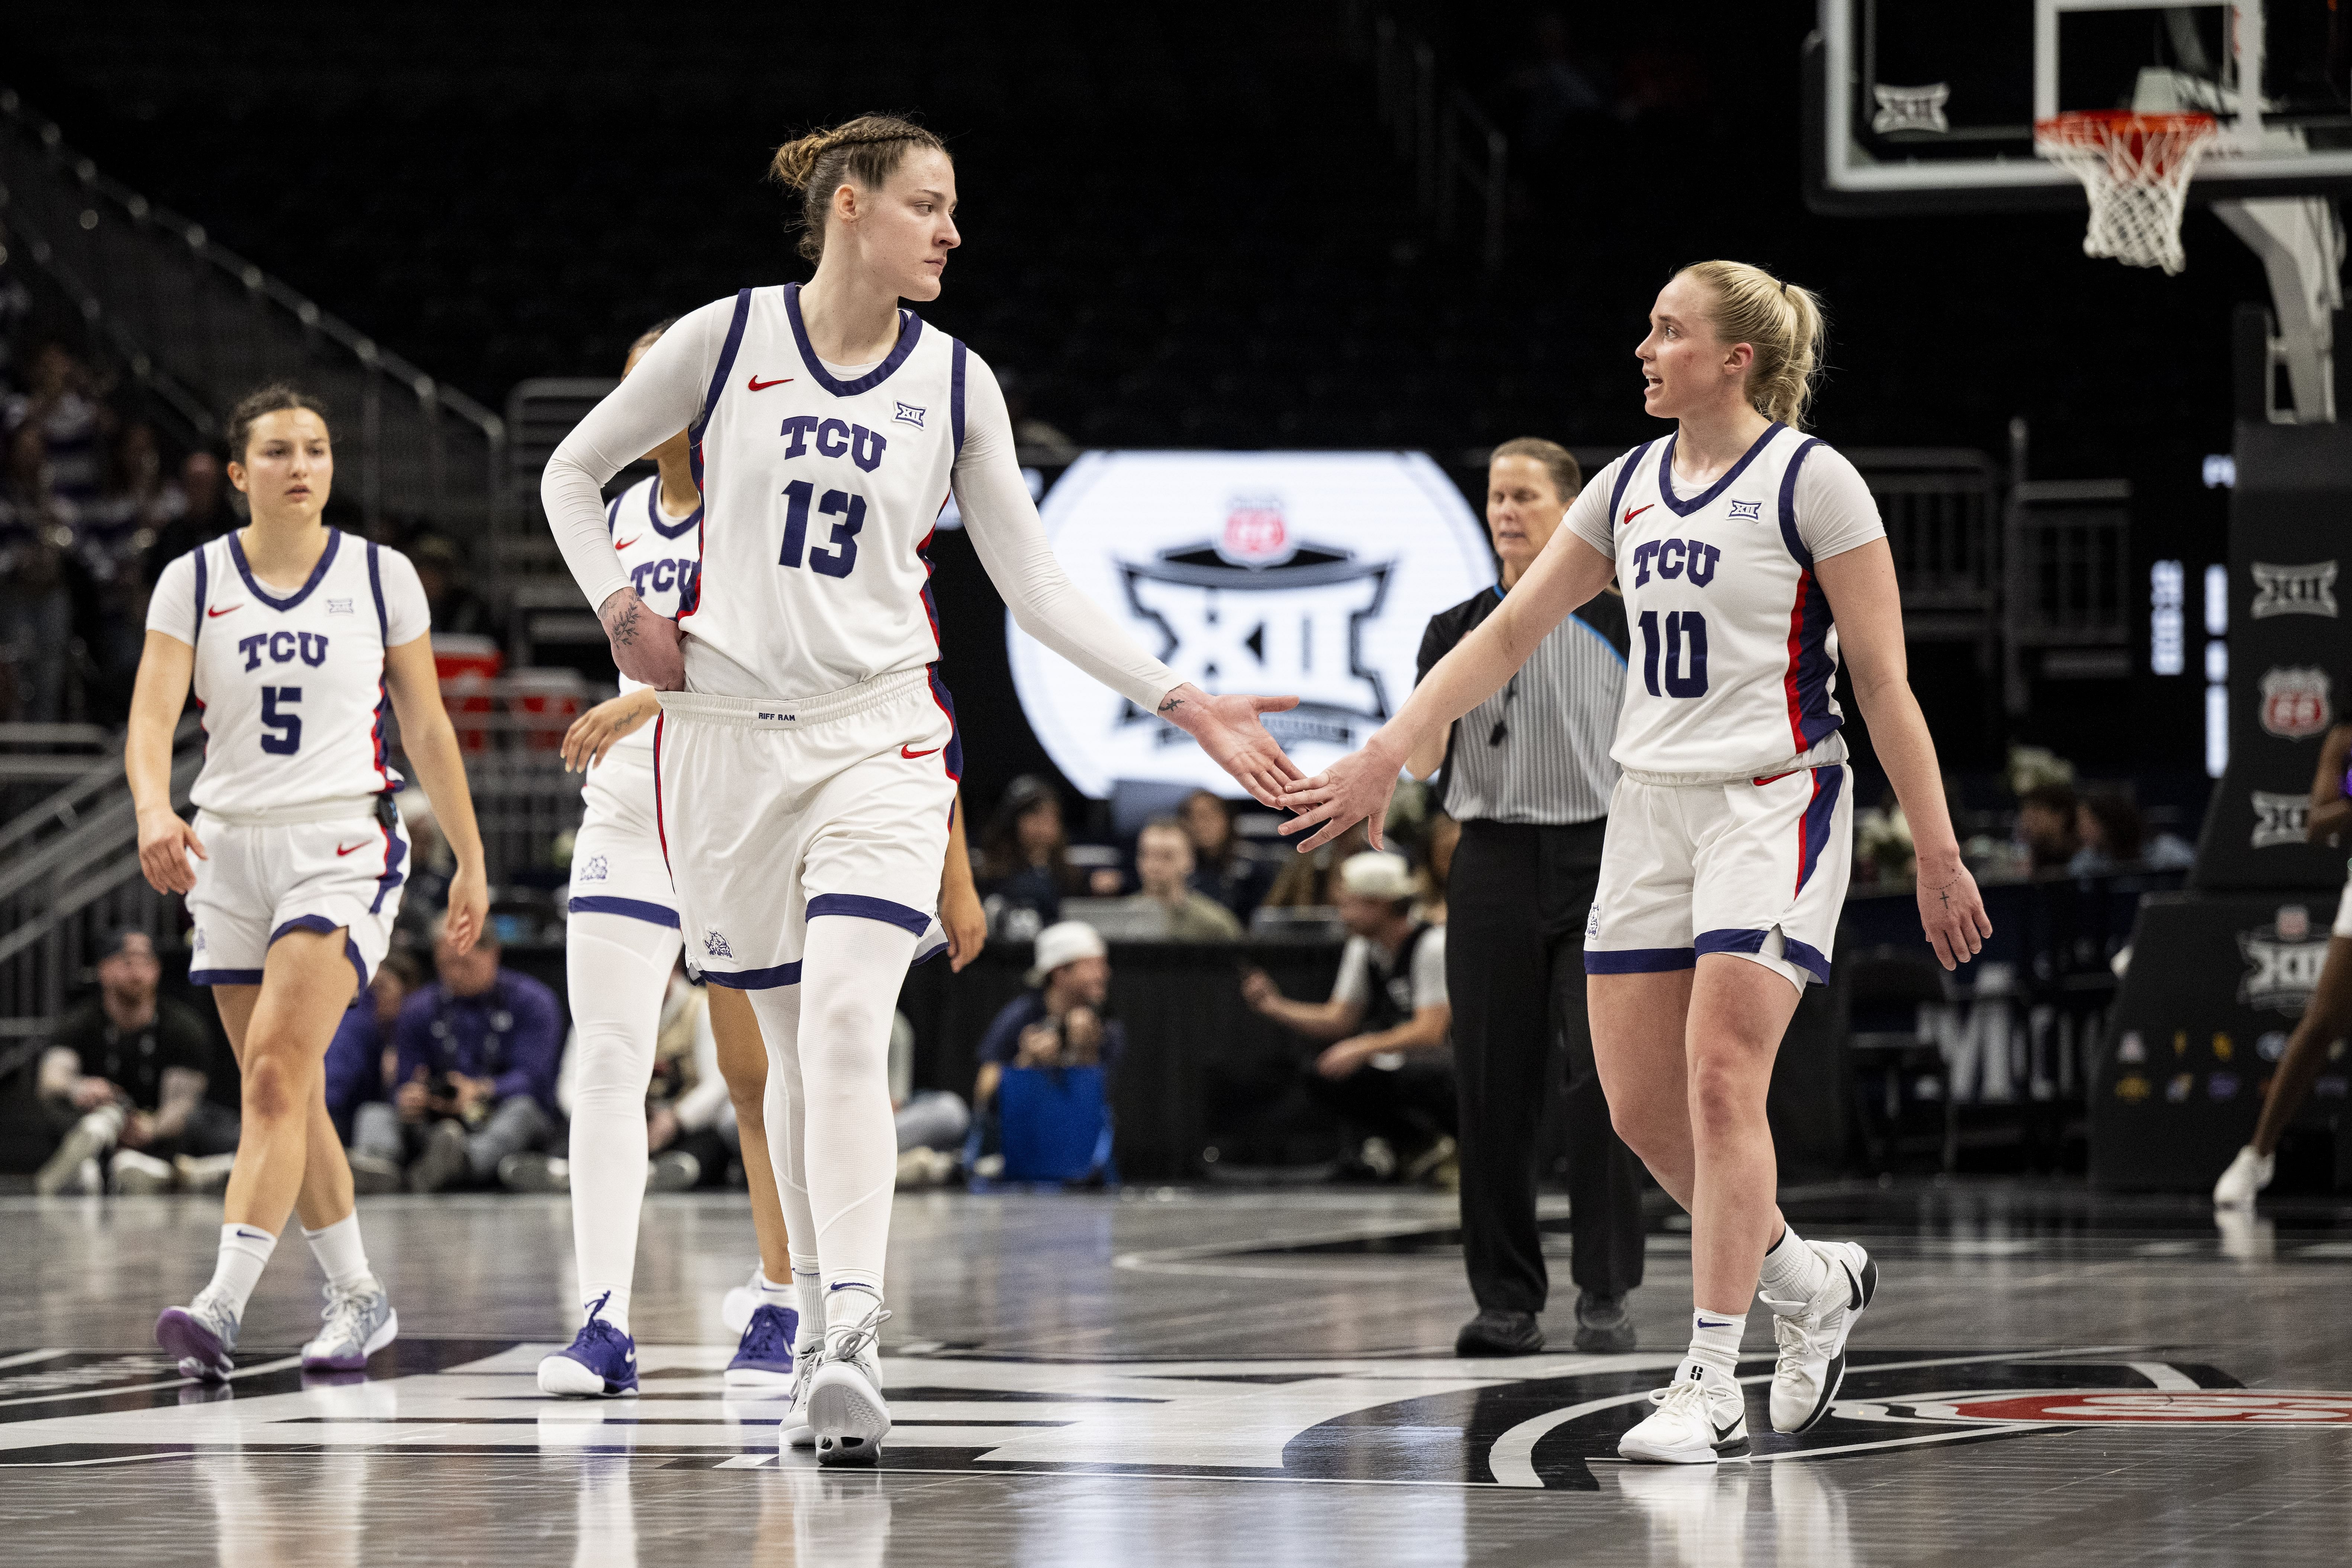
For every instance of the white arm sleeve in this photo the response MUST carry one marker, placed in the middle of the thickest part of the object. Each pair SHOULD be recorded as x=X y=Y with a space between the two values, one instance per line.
x=1003 y=523
x=172 y=608
x=662 y=396
x=1588 y=515
x=1835 y=511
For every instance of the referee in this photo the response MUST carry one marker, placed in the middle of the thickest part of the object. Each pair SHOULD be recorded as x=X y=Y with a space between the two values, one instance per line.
x=1527 y=774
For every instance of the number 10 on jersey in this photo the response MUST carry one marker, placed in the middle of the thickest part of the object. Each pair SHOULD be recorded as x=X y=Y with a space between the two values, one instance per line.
x=1685 y=673
x=835 y=558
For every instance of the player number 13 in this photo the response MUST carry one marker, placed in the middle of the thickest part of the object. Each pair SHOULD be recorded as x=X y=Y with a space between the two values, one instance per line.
x=835 y=559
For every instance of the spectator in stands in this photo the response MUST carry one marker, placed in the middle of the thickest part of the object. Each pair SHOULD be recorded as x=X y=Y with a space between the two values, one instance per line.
x=456 y=608
x=479 y=1051
x=1025 y=871
x=1033 y=440
x=201 y=515
x=1388 y=1071
x=1309 y=881
x=117 y=529
x=1221 y=870
x=1058 y=1021
x=2113 y=834
x=2045 y=823
x=931 y=1122
x=1163 y=864
x=127 y=1074
x=36 y=609
x=64 y=405
x=361 y=1062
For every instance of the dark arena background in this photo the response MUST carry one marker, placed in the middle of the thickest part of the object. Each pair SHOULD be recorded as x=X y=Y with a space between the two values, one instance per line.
x=1264 y=287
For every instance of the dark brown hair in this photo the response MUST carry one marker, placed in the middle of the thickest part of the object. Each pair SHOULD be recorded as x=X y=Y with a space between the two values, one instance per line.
x=269 y=398
x=1567 y=478
x=866 y=150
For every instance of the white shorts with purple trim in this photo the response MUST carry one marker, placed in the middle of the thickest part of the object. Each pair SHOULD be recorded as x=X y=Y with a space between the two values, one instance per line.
x=1755 y=868
x=775 y=813
x=617 y=867
x=264 y=877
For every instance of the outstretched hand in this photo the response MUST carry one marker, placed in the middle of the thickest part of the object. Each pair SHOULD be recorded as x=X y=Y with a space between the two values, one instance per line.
x=1356 y=788
x=1952 y=913
x=1229 y=730
x=644 y=645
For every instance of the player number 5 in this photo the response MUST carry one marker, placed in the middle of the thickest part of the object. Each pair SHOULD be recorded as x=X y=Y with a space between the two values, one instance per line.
x=289 y=740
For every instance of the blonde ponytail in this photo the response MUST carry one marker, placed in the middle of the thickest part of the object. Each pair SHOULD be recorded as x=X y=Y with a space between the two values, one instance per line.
x=1782 y=322
x=866 y=150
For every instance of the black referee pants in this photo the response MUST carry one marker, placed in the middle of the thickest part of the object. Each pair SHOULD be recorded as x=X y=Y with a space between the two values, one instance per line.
x=1516 y=902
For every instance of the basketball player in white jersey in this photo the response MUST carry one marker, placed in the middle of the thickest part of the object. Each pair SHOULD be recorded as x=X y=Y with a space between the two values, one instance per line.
x=622 y=943
x=296 y=636
x=1750 y=557
x=806 y=751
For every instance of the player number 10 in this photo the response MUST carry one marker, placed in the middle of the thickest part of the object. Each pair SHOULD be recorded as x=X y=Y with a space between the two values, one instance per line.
x=1684 y=628
x=836 y=559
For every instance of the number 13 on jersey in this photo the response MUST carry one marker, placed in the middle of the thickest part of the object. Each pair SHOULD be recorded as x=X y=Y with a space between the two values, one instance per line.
x=836 y=559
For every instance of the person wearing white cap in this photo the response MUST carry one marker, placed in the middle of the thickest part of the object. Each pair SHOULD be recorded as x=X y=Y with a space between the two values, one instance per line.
x=1387 y=1069
x=1058 y=1021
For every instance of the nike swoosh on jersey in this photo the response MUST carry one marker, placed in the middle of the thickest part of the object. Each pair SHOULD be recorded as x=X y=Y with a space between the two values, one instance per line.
x=756 y=384
x=361 y=845
x=910 y=756
x=1632 y=513
x=624 y=543
x=211 y=613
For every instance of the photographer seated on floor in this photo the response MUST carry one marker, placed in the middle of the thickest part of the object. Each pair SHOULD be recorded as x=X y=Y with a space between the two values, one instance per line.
x=1390 y=1073
x=127 y=1075
x=478 y=1055
x=1041 y=1098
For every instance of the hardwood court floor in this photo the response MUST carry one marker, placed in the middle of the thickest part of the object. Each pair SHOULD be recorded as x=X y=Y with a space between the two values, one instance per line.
x=1193 y=1377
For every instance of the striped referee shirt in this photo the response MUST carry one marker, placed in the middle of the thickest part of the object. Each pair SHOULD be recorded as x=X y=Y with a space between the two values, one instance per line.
x=1537 y=751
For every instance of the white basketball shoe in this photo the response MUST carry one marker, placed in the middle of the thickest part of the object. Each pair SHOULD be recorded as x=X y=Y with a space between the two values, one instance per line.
x=1700 y=1417
x=1812 y=1335
x=845 y=1405
x=2248 y=1173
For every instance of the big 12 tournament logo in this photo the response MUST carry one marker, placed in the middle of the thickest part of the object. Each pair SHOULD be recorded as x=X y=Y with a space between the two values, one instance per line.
x=1311 y=574
x=2283 y=962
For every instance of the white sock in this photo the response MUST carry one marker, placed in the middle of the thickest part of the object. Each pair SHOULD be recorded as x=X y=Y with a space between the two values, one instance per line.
x=1714 y=1341
x=341 y=1253
x=808 y=1287
x=848 y=1306
x=1793 y=1272
x=245 y=1251
x=619 y=970
x=609 y=1304
x=786 y=1295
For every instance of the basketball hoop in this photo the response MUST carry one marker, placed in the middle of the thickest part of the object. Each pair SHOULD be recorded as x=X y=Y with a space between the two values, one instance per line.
x=2135 y=169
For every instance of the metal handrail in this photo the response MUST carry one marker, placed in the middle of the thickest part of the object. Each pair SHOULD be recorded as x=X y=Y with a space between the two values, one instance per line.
x=1440 y=131
x=101 y=835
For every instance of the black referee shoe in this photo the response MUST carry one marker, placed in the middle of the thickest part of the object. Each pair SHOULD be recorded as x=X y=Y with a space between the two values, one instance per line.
x=1496 y=1333
x=1601 y=1326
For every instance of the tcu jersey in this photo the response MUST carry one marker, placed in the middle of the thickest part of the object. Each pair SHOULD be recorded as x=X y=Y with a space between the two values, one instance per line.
x=663 y=557
x=290 y=687
x=1733 y=667
x=819 y=495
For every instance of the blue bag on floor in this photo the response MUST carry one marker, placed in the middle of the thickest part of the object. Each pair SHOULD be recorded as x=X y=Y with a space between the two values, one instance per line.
x=1056 y=1121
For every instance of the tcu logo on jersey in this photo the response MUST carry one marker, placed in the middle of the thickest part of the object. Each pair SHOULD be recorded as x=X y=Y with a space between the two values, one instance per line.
x=835 y=438
x=1676 y=558
x=663 y=576
x=284 y=648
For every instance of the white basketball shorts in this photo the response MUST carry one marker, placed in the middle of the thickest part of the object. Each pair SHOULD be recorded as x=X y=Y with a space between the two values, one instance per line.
x=776 y=812
x=268 y=876
x=1756 y=868
x=617 y=867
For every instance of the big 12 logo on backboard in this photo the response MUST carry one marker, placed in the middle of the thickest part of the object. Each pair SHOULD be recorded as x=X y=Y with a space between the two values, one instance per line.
x=2295 y=701
x=1311 y=574
x=2282 y=962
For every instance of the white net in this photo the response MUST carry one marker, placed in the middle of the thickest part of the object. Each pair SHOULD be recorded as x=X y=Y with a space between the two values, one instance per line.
x=2135 y=169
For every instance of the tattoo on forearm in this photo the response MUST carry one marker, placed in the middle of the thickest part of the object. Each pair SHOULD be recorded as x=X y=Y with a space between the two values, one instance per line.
x=624 y=630
x=1170 y=704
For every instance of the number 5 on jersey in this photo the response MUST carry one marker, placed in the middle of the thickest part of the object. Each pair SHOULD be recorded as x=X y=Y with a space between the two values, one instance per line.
x=836 y=559
x=289 y=740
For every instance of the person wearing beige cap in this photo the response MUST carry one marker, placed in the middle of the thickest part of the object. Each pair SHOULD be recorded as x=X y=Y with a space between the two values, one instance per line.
x=1387 y=1071
x=1058 y=1022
